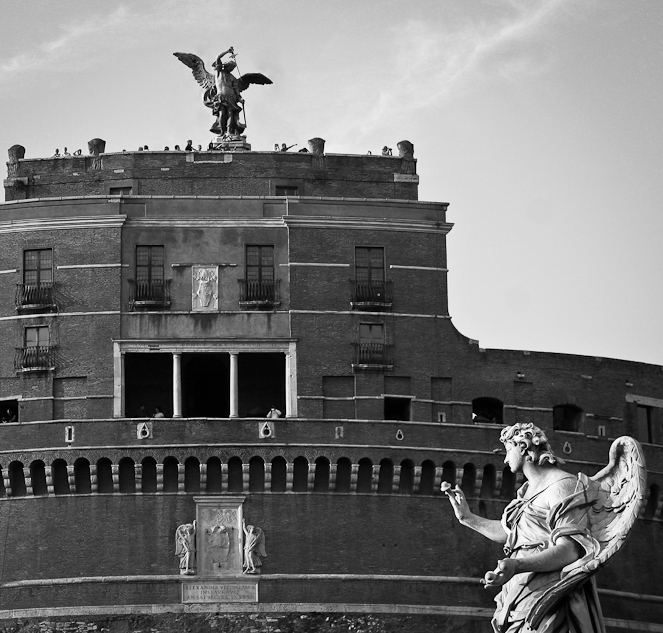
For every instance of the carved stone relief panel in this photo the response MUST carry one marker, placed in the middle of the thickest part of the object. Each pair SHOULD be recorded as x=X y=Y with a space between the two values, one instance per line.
x=204 y=288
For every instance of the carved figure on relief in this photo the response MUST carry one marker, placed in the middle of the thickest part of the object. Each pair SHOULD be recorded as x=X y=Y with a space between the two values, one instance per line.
x=205 y=285
x=557 y=533
x=254 y=548
x=218 y=544
x=185 y=547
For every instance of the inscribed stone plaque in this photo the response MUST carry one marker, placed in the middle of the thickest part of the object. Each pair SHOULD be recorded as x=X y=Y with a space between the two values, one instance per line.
x=204 y=288
x=219 y=591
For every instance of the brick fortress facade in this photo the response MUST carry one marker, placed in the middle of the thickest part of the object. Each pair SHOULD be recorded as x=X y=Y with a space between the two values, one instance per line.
x=215 y=286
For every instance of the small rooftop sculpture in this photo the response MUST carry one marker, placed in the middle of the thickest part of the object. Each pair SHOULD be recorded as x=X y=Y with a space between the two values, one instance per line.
x=222 y=91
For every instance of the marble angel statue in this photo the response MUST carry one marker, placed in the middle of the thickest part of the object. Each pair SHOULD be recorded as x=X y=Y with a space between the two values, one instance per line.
x=558 y=532
x=222 y=90
x=254 y=548
x=185 y=547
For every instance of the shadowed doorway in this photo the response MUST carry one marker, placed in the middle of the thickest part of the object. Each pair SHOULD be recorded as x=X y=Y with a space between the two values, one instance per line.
x=261 y=384
x=148 y=383
x=205 y=385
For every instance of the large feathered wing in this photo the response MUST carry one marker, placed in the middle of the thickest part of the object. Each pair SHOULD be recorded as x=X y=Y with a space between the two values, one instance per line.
x=620 y=490
x=205 y=79
x=252 y=78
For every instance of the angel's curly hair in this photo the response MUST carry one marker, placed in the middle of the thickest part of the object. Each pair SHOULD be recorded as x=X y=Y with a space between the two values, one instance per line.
x=535 y=442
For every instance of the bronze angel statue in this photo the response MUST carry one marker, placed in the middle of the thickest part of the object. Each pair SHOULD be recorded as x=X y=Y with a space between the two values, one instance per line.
x=557 y=533
x=222 y=90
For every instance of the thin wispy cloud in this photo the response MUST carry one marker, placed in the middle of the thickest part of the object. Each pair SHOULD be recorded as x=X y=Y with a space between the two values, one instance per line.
x=433 y=66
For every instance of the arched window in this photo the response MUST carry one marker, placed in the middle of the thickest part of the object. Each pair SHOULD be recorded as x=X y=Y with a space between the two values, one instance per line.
x=364 y=475
x=278 y=474
x=343 y=475
x=487 y=411
x=386 y=477
x=104 y=476
x=256 y=474
x=469 y=479
x=300 y=474
x=488 y=482
x=427 y=481
x=82 y=476
x=321 y=482
x=170 y=474
x=192 y=474
x=60 y=479
x=235 y=479
x=407 y=477
x=508 y=484
x=149 y=478
x=449 y=473
x=214 y=475
x=38 y=476
x=567 y=417
x=652 y=501
x=127 y=474
x=17 y=479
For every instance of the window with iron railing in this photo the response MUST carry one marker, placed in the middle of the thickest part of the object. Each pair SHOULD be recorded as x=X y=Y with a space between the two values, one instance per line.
x=370 y=289
x=371 y=350
x=260 y=288
x=36 y=291
x=150 y=288
x=37 y=352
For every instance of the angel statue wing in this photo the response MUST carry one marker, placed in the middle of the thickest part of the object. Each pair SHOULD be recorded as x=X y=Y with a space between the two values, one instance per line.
x=620 y=489
x=205 y=79
x=260 y=544
x=245 y=81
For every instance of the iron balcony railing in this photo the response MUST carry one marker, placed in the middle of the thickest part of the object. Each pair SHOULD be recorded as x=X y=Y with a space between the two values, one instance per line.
x=34 y=358
x=149 y=293
x=371 y=294
x=38 y=296
x=373 y=355
x=253 y=293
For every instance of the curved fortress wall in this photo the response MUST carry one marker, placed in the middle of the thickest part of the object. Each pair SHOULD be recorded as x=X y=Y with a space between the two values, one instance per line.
x=215 y=308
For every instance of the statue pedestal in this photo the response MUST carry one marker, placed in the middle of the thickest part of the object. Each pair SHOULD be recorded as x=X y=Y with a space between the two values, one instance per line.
x=236 y=144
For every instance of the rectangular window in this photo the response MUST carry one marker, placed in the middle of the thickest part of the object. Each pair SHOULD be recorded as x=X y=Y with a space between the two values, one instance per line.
x=38 y=266
x=37 y=336
x=120 y=191
x=371 y=334
x=645 y=423
x=369 y=263
x=150 y=263
x=260 y=263
x=286 y=190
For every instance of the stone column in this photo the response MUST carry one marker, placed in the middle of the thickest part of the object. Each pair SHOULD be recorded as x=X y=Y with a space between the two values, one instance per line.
x=417 y=479
x=177 y=385
x=27 y=476
x=234 y=385
x=118 y=382
x=375 y=478
x=115 y=474
x=396 y=481
x=268 y=476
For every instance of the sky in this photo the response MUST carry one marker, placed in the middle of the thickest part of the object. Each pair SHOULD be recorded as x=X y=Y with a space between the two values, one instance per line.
x=539 y=121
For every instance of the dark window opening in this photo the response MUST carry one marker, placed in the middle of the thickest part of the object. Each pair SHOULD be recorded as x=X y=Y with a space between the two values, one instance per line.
x=279 y=474
x=469 y=479
x=406 y=484
x=286 y=190
x=343 y=475
x=120 y=191
x=127 y=475
x=191 y=475
x=235 y=475
x=449 y=473
x=427 y=481
x=60 y=478
x=488 y=482
x=261 y=383
x=82 y=476
x=300 y=475
x=487 y=411
x=214 y=475
x=508 y=484
x=9 y=410
x=149 y=384
x=256 y=474
x=17 y=479
x=386 y=478
x=652 y=501
x=150 y=263
x=149 y=475
x=370 y=288
x=170 y=474
x=397 y=408
x=150 y=288
x=645 y=428
x=364 y=475
x=566 y=417
x=104 y=476
x=322 y=469
x=38 y=477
